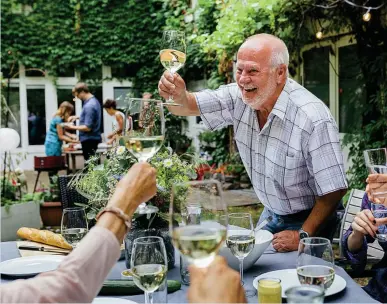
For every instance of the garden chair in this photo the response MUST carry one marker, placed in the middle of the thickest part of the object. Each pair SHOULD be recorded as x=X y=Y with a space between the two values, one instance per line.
x=69 y=195
x=374 y=253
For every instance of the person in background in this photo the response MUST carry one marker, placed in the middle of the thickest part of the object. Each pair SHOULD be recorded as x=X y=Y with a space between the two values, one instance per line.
x=56 y=134
x=119 y=119
x=81 y=274
x=89 y=122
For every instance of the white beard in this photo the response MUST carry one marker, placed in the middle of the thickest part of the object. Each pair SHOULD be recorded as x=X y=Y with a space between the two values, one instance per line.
x=260 y=99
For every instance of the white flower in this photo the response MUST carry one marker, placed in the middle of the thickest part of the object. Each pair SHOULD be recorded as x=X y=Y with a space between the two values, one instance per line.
x=120 y=150
x=168 y=163
x=19 y=171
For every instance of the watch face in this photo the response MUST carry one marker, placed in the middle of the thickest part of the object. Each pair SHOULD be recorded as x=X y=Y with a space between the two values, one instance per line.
x=303 y=235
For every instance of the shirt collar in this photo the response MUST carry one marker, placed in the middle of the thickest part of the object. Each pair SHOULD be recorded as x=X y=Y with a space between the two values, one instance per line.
x=281 y=104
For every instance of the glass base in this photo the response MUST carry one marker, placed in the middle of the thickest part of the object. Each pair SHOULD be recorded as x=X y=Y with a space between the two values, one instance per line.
x=249 y=293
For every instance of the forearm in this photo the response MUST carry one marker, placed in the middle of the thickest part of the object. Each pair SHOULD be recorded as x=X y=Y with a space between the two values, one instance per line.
x=324 y=207
x=78 y=278
x=82 y=128
x=67 y=139
x=189 y=106
x=355 y=241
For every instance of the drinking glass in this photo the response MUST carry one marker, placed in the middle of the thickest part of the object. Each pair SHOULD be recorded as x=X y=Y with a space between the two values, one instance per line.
x=74 y=225
x=240 y=240
x=269 y=290
x=146 y=136
x=381 y=221
x=315 y=262
x=305 y=294
x=198 y=220
x=376 y=162
x=173 y=54
x=149 y=264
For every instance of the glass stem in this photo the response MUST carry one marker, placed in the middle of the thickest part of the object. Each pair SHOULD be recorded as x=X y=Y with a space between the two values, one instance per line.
x=148 y=297
x=170 y=96
x=142 y=159
x=241 y=269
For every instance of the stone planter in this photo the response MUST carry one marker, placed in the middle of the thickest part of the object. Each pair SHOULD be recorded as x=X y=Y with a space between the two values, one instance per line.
x=51 y=213
x=162 y=232
x=19 y=215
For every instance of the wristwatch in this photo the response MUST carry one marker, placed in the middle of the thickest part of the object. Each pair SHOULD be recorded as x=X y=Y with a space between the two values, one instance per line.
x=303 y=234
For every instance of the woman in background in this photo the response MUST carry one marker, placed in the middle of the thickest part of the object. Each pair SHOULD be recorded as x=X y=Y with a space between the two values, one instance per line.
x=56 y=134
x=110 y=105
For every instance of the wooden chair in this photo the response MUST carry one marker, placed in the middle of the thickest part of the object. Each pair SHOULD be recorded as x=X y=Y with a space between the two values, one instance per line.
x=374 y=253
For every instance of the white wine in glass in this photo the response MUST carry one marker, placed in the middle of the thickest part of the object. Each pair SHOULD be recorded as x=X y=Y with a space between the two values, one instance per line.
x=146 y=136
x=149 y=264
x=74 y=225
x=173 y=54
x=200 y=240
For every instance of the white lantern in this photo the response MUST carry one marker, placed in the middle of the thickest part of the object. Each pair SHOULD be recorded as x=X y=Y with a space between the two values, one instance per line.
x=9 y=139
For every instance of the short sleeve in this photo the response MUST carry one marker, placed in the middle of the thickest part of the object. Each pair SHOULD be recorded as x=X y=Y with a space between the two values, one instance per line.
x=217 y=106
x=325 y=159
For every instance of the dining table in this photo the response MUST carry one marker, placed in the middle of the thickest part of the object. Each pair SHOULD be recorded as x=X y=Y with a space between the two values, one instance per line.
x=269 y=261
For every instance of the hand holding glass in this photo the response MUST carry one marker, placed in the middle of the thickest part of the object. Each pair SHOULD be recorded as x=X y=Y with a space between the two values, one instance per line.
x=376 y=162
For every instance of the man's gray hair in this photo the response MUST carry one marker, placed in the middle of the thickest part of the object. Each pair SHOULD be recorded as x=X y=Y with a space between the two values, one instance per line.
x=279 y=57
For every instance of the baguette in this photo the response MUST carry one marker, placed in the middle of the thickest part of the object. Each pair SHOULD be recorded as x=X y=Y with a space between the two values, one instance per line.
x=44 y=237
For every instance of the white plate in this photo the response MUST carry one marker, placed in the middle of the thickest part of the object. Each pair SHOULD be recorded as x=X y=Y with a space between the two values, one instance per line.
x=106 y=300
x=289 y=279
x=31 y=265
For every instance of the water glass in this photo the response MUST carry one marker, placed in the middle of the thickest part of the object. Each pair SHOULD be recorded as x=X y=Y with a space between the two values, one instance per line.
x=315 y=262
x=305 y=294
x=269 y=290
x=381 y=221
x=74 y=225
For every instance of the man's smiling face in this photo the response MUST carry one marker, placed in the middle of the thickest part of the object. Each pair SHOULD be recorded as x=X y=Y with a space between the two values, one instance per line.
x=255 y=76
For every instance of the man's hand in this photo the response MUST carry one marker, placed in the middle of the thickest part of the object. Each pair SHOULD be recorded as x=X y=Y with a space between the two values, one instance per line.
x=173 y=86
x=377 y=183
x=286 y=240
x=216 y=284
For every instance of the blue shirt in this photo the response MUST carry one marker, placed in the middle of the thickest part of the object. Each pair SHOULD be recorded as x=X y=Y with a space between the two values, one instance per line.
x=377 y=286
x=52 y=134
x=91 y=117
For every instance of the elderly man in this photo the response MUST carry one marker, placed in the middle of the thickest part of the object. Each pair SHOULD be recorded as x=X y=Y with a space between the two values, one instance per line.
x=287 y=139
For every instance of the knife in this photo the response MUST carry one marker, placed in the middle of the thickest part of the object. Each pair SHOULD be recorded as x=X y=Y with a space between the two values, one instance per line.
x=36 y=248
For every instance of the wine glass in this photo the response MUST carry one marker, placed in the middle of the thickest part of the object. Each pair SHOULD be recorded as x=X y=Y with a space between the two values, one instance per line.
x=173 y=54
x=74 y=225
x=146 y=136
x=149 y=264
x=376 y=162
x=198 y=220
x=240 y=240
x=315 y=262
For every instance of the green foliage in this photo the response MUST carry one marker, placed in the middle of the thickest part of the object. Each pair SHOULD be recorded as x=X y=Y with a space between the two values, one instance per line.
x=216 y=144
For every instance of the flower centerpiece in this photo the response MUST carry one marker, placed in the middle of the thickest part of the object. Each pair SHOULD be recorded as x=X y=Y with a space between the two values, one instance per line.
x=97 y=182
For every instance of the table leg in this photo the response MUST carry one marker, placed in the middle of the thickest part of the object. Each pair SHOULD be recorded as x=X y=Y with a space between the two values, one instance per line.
x=74 y=164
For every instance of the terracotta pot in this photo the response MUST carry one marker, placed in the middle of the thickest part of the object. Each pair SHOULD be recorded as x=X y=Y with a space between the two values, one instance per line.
x=51 y=213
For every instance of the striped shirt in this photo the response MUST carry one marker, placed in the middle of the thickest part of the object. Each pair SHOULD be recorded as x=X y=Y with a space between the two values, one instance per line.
x=297 y=154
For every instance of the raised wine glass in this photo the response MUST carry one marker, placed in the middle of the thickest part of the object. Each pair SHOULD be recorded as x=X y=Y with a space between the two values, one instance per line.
x=198 y=220
x=146 y=134
x=173 y=54
x=315 y=262
x=240 y=240
x=74 y=225
x=149 y=264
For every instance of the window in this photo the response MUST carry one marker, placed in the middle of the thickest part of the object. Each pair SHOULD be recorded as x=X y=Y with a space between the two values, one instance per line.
x=351 y=90
x=12 y=120
x=125 y=71
x=34 y=72
x=66 y=72
x=65 y=95
x=36 y=116
x=316 y=72
x=93 y=73
x=12 y=74
x=121 y=95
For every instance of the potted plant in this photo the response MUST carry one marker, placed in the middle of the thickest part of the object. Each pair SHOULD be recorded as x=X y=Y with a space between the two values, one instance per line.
x=17 y=209
x=98 y=182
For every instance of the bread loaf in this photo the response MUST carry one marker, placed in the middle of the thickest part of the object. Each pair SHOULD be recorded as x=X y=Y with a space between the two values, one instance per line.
x=44 y=237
